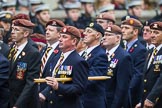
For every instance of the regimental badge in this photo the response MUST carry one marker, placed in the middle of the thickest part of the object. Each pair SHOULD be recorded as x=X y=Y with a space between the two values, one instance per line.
x=131 y=21
x=110 y=72
x=64 y=30
x=108 y=28
x=155 y=25
x=54 y=23
x=157 y=68
x=21 y=69
x=8 y=16
x=91 y=24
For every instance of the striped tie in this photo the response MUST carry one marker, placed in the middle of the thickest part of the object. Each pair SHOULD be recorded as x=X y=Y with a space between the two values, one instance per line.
x=44 y=59
x=84 y=55
x=11 y=53
x=59 y=64
x=14 y=54
x=152 y=57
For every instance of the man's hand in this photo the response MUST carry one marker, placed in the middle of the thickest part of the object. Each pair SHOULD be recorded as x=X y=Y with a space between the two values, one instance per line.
x=51 y=81
x=138 y=105
x=148 y=104
x=42 y=98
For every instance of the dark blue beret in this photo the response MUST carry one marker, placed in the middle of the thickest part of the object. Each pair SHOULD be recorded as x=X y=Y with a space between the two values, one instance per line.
x=96 y=27
x=148 y=22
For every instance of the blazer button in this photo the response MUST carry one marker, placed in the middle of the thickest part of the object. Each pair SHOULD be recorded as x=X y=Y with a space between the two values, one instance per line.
x=51 y=102
x=145 y=91
x=145 y=80
x=50 y=92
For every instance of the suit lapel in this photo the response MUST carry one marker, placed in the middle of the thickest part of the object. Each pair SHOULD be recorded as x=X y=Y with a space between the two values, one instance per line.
x=151 y=65
x=20 y=57
x=147 y=60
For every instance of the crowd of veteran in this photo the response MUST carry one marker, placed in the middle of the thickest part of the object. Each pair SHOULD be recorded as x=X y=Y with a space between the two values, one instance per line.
x=63 y=54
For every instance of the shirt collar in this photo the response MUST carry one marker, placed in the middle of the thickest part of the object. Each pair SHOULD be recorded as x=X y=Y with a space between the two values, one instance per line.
x=159 y=47
x=131 y=43
x=111 y=51
x=21 y=47
x=67 y=54
x=54 y=45
x=88 y=50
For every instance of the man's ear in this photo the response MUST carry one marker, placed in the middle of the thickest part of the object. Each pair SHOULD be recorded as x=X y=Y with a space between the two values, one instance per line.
x=26 y=33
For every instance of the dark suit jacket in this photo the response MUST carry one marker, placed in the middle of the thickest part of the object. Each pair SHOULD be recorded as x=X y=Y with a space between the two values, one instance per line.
x=94 y=96
x=4 y=74
x=120 y=70
x=152 y=81
x=24 y=92
x=138 y=54
x=4 y=49
x=69 y=94
x=48 y=69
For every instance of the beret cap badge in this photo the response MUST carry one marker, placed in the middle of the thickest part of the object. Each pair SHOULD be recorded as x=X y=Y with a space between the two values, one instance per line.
x=155 y=25
x=64 y=30
x=131 y=22
x=8 y=16
x=91 y=24
x=53 y=23
x=108 y=29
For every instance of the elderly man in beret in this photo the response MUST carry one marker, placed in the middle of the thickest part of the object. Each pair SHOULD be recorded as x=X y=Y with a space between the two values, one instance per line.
x=24 y=67
x=105 y=20
x=49 y=53
x=152 y=93
x=117 y=87
x=69 y=65
x=130 y=29
x=94 y=96
x=147 y=34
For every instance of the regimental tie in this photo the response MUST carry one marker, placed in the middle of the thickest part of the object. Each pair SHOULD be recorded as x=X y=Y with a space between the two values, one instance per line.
x=12 y=53
x=84 y=55
x=44 y=59
x=152 y=57
x=58 y=64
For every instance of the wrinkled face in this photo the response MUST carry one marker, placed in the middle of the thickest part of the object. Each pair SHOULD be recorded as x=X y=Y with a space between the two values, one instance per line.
x=66 y=42
x=146 y=33
x=44 y=16
x=17 y=34
x=52 y=33
x=127 y=32
x=74 y=14
x=89 y=36
x=110 y=39
x=156 y=37
x=137 y=10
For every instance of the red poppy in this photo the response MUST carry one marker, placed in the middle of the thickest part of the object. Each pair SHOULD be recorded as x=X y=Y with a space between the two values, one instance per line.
x=56 y=51
x=131 y=50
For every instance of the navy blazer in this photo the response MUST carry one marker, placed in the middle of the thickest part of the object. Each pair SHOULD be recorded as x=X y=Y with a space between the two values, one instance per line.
x=120 y=70
x=23 y=90
x=69 y=94
x=4 y=49
x=138 y=54
x=94 y=96
x=4 y=89
x=49 y=64
x=152 y=81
